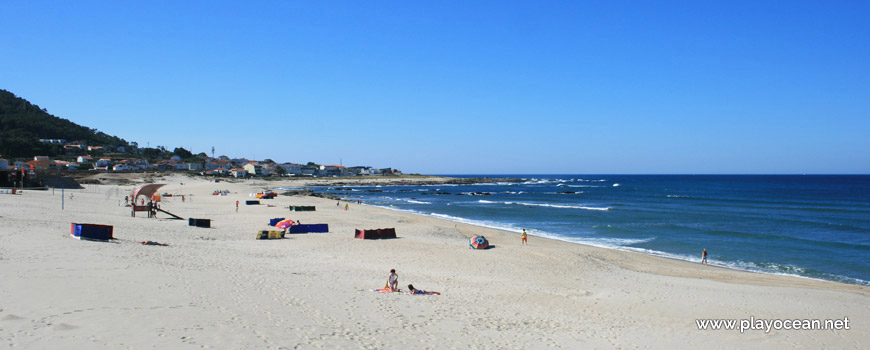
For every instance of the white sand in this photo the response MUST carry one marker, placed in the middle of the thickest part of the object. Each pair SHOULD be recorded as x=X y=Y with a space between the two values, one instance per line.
x=220 y=288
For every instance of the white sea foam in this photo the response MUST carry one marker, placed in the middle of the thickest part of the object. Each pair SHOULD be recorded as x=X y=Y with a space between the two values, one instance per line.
x=561 y=206
x=615 y=185
x=416 y=202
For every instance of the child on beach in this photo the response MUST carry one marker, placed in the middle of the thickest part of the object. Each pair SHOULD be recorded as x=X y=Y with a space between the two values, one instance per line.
x=393 y=281
x=525 y=237
x=704 y=256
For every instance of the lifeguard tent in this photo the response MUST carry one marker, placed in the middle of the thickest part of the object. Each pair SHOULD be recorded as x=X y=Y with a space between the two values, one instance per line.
x=148 y=191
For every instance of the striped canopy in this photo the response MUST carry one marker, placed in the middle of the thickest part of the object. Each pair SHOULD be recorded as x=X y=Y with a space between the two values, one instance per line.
x=478 y=242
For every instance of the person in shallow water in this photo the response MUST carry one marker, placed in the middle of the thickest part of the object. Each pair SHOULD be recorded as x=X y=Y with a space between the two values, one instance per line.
x=704 y=256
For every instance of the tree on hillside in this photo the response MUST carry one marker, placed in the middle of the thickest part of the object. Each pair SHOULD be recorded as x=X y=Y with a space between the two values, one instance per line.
x=152 y=153
x=22 y=124
x=183 y=153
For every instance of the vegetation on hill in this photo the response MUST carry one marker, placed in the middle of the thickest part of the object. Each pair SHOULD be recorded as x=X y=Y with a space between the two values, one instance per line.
x=22 y=124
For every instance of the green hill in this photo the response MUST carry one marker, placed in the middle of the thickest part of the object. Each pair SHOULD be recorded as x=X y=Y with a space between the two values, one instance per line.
x=22 y=124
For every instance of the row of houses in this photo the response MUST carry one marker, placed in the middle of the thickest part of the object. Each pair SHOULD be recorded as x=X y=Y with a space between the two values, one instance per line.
x=80 y=146
x=222 y=166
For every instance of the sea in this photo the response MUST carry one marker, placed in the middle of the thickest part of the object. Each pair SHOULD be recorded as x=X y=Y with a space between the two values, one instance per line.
x=812 y=226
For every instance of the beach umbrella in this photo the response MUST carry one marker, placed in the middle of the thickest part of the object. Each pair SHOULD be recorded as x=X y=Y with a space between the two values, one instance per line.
x=284 y=224
x=478 y=242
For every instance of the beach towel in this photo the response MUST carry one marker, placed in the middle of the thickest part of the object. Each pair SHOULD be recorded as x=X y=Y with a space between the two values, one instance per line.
x=387 y=290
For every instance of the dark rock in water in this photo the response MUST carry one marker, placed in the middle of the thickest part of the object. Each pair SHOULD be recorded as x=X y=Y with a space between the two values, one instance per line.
x=441 y=193
x=479 y=194
x=298 y=193
x=374 y=191
x=324 y=195
x=567 y=192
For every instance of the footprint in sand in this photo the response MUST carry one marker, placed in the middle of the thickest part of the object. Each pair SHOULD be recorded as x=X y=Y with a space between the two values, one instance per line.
x=11 y=317
x=64 y=327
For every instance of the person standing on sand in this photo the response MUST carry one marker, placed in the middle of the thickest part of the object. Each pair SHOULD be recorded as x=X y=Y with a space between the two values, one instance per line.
x=393 y=281
x=525 y=237
x=704 y=257
x=346 y=206
x=237 y=206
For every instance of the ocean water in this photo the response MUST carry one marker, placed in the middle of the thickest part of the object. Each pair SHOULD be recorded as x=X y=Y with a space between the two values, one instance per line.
x=810 y=226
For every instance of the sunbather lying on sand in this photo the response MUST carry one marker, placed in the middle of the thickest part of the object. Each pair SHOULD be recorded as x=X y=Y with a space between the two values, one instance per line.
x=153 y=243
x=415 y=291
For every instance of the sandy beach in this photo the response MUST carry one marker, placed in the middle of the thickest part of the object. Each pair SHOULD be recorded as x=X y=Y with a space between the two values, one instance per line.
x=219 y=288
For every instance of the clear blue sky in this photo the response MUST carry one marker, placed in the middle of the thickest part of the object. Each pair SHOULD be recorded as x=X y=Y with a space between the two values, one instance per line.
x=462 y=87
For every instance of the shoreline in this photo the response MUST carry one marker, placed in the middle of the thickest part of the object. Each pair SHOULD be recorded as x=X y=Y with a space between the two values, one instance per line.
x=647 y=252
x=219 y=287
x=630 y=250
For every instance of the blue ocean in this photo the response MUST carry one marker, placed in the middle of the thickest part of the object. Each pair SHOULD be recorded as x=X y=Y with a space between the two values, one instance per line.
x=810 y=226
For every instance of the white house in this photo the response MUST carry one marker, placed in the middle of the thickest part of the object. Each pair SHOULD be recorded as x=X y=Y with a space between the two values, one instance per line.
x=103 y=162
x=254 y=169
x=121 y=167
x=84 y=159
x=142 y=164
x=40 y=158
x=291 y=168
x=333 y=170
x=239 y=172
x=195 y=166
x=362 y=170
x=309 y=170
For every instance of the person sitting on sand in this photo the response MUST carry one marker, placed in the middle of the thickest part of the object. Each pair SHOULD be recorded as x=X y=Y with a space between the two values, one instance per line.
x=413 y=290
x=393 y=281
x=153 y=243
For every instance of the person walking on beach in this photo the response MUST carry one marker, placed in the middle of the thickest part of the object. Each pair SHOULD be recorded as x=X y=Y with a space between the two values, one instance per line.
x=237 y=206
x=525 y=237
x=346 y=206
x=393 y=281
x=704 y=257
x=126 y=200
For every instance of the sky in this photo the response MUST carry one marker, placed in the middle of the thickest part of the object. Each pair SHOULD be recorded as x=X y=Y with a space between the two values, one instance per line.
x=464 y=87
